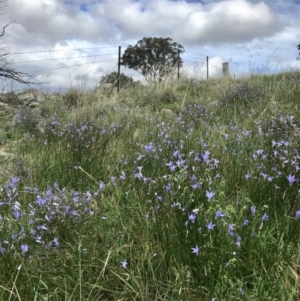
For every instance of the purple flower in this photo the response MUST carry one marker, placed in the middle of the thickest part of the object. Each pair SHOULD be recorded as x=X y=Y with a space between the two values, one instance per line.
x=40 y=201
x=159 y=197
x=175 y=153
x=252 y=208
x=75 y=213
x=196 y=250
x=14 y=181
x=210 y=226
x=298 y=214
x=168 y=187
x=219 y=214
x=264 y=175
x=56 y=242
x=171 y=166
x=139 y=174
x=291 y=179
x=242 y=291
x=101 y=185
x=260 y=151
x=192 y=217
x=180 y=162
x=196 y=185
x=216 y=162
x=75 y=199
x=205 y=157
x=122 y=176
x=176 y=205
x=231 y=229
x=149 y=147
x=193 y=178
x=17 y=214
x=265 y=217
x=209 y=195
x=42 y=227
x=17 y=206
x=113 y=180
x=24 y=248
x=139 y=157
x=38 y=239
x=124 y=264
x=238 y=241
x=247 y=176
x=246 y=222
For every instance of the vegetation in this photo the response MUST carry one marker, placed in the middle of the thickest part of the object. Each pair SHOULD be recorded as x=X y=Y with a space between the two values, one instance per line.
x=154 y=58
x=112 y=78
x=182 y=190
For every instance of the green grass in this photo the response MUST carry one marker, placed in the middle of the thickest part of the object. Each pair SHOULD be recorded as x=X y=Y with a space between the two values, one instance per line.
x=119 y=177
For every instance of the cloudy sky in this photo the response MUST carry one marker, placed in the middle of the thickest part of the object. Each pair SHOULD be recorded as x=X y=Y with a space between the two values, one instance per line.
x=74 y=42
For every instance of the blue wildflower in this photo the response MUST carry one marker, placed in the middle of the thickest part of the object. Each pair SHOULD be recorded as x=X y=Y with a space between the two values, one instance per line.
x=196 y=250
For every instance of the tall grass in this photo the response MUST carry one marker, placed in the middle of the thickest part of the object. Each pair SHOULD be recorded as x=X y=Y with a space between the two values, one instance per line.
x=157 y=194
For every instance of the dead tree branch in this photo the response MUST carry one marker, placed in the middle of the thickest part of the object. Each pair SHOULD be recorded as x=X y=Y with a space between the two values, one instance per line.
x=4 y=27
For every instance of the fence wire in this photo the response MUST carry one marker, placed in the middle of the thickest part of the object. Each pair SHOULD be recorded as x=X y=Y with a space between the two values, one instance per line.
x=62 y=50
x=200 y=59
x=66 y=58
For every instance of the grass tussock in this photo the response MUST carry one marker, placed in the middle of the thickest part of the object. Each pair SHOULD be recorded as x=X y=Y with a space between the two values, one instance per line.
x=182 y=190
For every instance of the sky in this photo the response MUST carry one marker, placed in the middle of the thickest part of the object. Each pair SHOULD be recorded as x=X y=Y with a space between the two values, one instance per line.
x=73 y=43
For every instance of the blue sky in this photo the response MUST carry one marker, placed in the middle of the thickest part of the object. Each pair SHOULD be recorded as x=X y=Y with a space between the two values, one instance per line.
x=253 y=36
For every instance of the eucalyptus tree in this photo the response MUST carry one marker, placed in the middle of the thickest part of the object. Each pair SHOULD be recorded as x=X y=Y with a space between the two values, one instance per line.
x=154 y=58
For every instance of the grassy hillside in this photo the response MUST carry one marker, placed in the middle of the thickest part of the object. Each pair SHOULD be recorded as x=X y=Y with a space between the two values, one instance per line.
x=185 y=190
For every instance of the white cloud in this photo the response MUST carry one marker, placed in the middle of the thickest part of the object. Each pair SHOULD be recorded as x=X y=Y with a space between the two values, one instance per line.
x=230 y=21
x=50 y=22
x=192 y=23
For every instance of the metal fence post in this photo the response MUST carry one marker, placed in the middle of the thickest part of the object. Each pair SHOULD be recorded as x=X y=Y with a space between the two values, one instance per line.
x=178 y=66
x=119 y=69
x=207 y=72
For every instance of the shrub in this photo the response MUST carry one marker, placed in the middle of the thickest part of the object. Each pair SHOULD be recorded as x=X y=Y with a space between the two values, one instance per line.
x=11 y=98
x=26 y=119
x=72 y=98
x=242 y=94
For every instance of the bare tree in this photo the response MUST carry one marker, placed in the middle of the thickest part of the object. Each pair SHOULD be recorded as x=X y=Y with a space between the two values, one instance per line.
x=6 y=68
